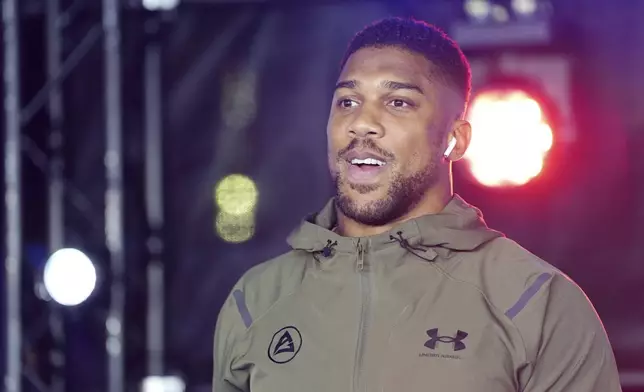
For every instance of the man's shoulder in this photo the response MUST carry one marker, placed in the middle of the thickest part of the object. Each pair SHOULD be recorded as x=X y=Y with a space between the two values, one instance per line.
x=537 y=298
x=287 y=266
x=503 y=259
x=504 y=253
x=508 y=275
x=263 y=285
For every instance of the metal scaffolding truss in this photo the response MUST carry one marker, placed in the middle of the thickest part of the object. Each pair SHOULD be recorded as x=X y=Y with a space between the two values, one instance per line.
x=16 y=117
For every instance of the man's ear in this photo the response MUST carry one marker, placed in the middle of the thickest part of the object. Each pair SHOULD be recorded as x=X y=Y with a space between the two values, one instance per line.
x=461 y=133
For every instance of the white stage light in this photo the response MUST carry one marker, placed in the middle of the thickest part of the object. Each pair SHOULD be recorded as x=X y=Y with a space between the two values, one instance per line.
x=160 y=5
x=69 y=277
x=524 y=7
x=163 y=384
x=478 y=9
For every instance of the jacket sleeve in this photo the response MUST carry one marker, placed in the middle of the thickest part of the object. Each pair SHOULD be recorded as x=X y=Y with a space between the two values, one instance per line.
x=228 y=348
x=567 y=347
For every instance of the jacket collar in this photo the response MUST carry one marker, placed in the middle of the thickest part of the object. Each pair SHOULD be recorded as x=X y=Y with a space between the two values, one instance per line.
x=458 y=227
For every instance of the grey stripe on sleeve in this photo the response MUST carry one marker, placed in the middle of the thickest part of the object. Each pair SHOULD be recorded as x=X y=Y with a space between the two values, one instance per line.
x=241 y=306
x=527 y=295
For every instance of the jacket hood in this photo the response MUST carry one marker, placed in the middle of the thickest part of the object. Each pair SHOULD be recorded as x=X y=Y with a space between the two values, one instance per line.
x=458 y=227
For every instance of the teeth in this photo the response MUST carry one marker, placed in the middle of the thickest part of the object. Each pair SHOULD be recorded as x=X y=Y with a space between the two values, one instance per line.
x=368 y=161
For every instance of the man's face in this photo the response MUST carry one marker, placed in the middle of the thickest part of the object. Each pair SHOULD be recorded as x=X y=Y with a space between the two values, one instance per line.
x=386 y=134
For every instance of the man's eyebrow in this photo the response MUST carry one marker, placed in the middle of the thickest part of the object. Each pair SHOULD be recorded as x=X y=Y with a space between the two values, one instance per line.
x=391 y=85
x=388 y=84
x=351 y=84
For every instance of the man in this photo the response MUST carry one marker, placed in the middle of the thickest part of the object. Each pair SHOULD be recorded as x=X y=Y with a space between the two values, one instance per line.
x=398 y=284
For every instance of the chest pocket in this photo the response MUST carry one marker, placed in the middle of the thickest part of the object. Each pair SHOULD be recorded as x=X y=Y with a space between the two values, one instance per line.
x=303 y=344
x=452 y=345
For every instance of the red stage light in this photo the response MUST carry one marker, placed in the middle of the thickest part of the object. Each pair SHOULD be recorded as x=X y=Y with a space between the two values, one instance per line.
x=511 y=138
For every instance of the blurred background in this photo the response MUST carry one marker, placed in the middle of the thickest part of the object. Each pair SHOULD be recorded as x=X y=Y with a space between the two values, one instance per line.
x=154 y=150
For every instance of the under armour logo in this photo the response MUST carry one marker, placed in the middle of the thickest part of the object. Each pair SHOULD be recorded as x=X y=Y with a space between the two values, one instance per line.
x=285 y=345
x=457 y=341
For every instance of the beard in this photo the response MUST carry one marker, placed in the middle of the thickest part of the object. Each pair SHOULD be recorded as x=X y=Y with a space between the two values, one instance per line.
x=403 y=194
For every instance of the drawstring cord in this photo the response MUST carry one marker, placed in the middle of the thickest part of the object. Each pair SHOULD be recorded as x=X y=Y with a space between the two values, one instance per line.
x=402 y=241
x=408 y=247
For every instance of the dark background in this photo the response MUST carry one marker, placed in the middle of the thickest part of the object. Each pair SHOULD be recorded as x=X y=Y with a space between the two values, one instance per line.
x=272 y=65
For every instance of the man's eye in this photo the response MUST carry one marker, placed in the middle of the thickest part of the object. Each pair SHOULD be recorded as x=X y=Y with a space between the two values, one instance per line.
x=399 y=103
x=347 y=103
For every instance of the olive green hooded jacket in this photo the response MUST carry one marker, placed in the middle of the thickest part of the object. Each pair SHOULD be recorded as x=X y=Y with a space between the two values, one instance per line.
x=441 y=303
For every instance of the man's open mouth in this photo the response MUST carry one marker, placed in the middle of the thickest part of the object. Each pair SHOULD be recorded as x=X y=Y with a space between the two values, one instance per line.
x=365 y=170
x=367 y=162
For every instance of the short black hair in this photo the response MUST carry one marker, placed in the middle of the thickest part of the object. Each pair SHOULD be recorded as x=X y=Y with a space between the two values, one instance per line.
x=416 y=36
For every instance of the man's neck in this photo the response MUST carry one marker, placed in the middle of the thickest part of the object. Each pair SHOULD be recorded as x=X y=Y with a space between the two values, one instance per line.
x=431 y=204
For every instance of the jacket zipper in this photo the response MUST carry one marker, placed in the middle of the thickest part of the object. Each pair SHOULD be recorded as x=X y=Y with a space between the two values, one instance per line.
x=365 y=310
x=360 y=256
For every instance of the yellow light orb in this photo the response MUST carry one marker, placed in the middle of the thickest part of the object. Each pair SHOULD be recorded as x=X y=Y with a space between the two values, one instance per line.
x=236 y=194
x=235 y=228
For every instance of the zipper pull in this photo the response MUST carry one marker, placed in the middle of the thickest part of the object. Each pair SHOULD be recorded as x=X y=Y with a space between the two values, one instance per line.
x=360 y=256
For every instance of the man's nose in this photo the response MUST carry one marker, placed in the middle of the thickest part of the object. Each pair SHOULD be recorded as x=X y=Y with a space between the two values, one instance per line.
x=367 y=124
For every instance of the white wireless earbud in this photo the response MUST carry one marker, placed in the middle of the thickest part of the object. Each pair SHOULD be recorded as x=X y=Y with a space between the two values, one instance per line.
x=450 y=147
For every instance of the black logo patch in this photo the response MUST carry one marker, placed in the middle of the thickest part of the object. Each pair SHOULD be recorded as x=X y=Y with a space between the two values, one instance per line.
x=285 y=345
x=456 y=341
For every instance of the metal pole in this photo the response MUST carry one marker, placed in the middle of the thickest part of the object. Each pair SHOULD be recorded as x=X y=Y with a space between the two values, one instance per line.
x=114 y=196
x=56 y=190
x=12 y=197
x=154 y=199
